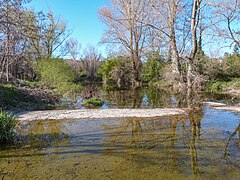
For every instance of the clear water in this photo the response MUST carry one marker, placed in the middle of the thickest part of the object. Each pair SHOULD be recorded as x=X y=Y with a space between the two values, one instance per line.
x=148 y=97
x=203 y=145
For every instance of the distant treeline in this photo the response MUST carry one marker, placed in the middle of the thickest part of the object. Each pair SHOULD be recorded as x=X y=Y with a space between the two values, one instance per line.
x=150 y=41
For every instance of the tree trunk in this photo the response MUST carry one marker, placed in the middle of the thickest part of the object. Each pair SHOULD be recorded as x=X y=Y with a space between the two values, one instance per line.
x=194 y=25
x=7 y=68
x=190 y=73
x=135 y=70
x=177 y=60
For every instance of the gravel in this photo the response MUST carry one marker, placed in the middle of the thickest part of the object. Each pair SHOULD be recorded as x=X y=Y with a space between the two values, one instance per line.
x=97 y=113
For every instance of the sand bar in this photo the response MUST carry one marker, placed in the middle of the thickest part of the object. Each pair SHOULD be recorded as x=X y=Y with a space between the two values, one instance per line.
x=98 y=113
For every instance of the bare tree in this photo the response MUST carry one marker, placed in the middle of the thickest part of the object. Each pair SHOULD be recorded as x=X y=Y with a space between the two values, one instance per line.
x=195 y=18
x=26 y=37
x=46 y=34
x=170 y=15
x=54 y=34
x=124 y=20
x=178 y=27
x=227 y=17
x=91 y=61
x=11 y=39
x=73 y=47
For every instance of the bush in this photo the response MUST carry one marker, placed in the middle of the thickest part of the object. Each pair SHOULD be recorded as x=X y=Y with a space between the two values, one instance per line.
x=233 y=66
x=117 y=72
x=221 y=69
x=32 y=84
x=151 y=71
x=56 y=74
x=7 y=125
x=94 y=102
x=216 y=86
x=225 y=86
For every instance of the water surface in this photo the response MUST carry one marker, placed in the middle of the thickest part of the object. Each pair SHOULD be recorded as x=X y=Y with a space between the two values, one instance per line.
x=146 y=97
x=204 y=145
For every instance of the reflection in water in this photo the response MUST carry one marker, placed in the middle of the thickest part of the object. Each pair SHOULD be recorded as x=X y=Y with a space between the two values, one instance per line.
x=227 y=152
x=204 y=145
x=195 y=122
x=124 y=98
x=42 y=134
x=146 y=97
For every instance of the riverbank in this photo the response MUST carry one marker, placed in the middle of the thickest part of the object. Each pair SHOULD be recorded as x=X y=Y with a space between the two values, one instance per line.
x=231 y=87
x=22 y=97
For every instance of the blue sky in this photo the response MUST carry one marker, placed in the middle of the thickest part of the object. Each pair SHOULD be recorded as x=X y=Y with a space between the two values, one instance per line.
x=80 y=15
x=82 y=18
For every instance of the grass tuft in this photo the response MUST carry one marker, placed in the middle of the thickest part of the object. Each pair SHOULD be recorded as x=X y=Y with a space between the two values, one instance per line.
x=7 y=126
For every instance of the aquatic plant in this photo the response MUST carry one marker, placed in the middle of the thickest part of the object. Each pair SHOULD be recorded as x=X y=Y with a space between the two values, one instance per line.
x=7 y=125
x=93 y=102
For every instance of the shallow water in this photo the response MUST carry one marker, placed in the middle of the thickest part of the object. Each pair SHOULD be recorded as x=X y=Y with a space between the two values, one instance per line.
x=146 y=97
x=204 y=145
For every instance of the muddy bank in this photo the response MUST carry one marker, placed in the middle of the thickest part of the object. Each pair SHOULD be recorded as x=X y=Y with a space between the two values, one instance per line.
x=97 y=113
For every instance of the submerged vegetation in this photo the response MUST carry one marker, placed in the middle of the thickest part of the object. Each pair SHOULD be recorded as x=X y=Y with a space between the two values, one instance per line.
x=175 y=147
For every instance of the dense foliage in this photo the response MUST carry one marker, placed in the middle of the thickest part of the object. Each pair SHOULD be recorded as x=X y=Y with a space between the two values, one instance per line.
x=116 y=72
x=56 y=74
x=151 y=71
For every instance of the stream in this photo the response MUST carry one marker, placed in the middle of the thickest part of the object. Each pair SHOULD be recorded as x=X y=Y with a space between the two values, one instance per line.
x=203 y=145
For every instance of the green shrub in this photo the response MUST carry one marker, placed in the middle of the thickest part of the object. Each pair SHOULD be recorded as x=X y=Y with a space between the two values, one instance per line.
x=116 y=72
x=7 y=125
x=224 y=86
x=233 y=66
x=94 y=102
x=224 y=69
x=216 y=86
x=234 y=83
x=151 y=71
x=56 y=74
x=107 y=67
